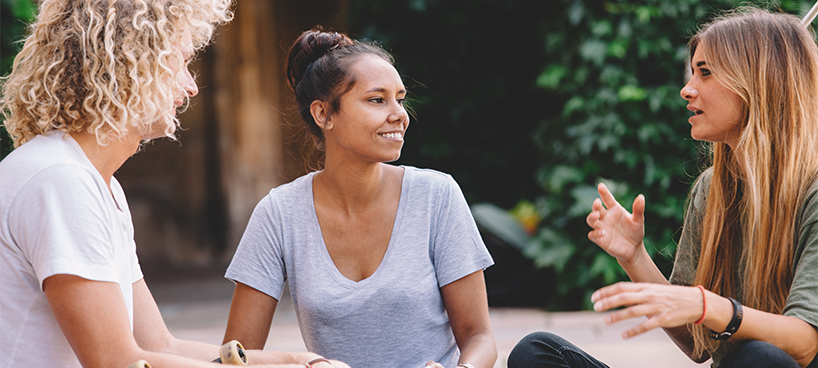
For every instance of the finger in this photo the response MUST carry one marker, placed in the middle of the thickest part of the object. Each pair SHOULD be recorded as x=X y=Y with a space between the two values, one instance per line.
x=638 y=310
x=639 y=208
x=614 y=289
x=596 y=235
x=640 y=329
x=606 y=196
x=598 y=207
x=592 y=218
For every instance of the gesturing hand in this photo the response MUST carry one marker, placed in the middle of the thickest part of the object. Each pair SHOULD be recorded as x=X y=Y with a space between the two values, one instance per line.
x=615 y=230
x=664 y=305
x=431 y=364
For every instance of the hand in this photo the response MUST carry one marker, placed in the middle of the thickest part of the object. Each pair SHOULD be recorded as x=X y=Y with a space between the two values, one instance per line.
x=614 y=229
x=337 y=364
x=431 y=364
x=664 y=305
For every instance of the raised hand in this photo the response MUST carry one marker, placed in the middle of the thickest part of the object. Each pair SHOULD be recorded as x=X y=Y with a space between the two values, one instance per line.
x=615 y=230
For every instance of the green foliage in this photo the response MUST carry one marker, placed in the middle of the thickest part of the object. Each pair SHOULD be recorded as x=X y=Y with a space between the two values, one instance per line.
x=602 y=105
x=616 y=68
x=14 y=15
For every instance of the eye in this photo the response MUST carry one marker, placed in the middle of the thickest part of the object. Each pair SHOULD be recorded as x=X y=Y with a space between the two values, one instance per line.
x=705 y=71
x=402 y=101
x=376 y=100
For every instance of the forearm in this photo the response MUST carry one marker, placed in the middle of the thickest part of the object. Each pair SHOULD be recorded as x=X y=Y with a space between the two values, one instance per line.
x=280 y=357
x=201 y=351
x=796 y=337
x=480 y=351
x=683 y=339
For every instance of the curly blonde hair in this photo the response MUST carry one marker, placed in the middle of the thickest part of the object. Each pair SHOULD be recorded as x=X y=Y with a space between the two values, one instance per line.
x=100 y=65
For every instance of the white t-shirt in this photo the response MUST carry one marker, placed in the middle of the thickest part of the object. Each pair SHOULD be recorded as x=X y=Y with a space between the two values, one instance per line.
x=395 y=317
x=57 y=216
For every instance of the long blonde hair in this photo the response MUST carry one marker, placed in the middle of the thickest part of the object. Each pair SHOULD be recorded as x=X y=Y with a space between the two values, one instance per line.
x=98 y=65
x=771 y=62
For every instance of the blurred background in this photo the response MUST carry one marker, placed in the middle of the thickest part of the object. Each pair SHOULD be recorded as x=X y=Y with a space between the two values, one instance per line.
x=528 y=104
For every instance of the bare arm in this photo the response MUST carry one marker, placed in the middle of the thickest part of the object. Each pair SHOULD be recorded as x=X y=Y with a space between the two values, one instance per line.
x=94 y=319
x=467 y=306
x=251 y=314
x=621 y=234
x=673 y=307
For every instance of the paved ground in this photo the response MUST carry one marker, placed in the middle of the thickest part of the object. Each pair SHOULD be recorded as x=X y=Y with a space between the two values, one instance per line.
x=197 y=310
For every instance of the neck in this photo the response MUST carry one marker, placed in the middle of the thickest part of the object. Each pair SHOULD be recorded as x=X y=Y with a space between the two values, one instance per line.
x=352 y=187
x=109 y=158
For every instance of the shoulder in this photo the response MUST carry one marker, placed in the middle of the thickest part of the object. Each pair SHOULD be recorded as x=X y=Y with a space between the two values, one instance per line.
x=287 y=196
x=294 y=190
x=698 y=195
x=429 y=178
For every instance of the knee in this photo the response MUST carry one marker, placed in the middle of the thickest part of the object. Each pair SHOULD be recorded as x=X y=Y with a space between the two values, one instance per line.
x=534 y=345
x=760 y=354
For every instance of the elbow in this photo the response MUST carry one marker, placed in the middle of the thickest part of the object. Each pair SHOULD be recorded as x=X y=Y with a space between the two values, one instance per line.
x=806 y=357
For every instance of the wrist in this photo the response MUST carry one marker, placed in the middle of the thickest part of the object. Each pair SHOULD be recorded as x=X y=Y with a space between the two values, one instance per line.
x=637 y=257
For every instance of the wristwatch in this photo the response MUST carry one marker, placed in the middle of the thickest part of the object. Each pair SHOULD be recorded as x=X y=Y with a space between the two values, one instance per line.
x=732 y=327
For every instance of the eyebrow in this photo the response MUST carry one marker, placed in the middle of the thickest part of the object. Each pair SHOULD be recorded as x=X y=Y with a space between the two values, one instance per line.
x=701 y=63
x=383 y=90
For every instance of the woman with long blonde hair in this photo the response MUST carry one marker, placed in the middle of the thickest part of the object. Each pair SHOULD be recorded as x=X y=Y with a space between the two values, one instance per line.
x=744 y=288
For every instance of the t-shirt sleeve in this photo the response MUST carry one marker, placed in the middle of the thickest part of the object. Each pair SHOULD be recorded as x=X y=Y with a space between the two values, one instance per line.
x=62 y=225
x=687 y=251
x=802 y=302
x=259 y=261
x=458 y=248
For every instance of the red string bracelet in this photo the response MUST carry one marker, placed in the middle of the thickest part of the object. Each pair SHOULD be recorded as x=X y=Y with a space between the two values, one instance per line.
x=704 y=305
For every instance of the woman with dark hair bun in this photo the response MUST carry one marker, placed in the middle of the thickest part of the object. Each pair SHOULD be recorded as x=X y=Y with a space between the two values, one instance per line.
x=384 y=263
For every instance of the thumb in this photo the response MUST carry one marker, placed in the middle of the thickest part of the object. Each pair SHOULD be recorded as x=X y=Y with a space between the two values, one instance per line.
x=639 y=208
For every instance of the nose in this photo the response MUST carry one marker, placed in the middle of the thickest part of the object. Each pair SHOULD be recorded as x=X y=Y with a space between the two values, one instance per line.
x=399 y=114
x=689 y=92
x=188 y=84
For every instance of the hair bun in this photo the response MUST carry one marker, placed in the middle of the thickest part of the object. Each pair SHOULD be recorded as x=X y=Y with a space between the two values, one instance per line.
x=310 y=46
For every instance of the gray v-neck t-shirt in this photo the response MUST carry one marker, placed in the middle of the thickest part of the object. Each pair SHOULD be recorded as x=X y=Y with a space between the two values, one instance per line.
x=395 y=317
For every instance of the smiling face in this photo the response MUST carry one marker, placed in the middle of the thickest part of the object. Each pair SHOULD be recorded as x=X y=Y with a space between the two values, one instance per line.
x=717 y=110
x=371 y=121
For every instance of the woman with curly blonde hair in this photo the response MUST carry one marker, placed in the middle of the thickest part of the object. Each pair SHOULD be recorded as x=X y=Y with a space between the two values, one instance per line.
x=93 y=80
x=744 y=287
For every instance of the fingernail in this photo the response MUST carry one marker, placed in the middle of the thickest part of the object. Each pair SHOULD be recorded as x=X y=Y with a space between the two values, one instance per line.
x=594 y=297
x=601 y=232
x=597 y=306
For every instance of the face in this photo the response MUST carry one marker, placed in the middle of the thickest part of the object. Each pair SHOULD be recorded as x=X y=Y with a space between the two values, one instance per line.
x=185 y=84
x=371 y=121
x=717 y=110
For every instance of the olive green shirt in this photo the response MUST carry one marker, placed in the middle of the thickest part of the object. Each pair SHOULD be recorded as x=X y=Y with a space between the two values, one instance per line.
x=802 y=301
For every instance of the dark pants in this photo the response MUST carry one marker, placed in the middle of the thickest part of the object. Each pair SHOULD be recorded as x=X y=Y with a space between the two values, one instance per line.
x=546 y=350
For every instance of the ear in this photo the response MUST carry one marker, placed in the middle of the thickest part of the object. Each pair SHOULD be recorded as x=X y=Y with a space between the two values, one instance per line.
x=320 y=113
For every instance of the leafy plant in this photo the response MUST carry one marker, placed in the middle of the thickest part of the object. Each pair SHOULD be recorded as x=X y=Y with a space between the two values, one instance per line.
x=617 y=67
x=14 y=15
x=603 y=106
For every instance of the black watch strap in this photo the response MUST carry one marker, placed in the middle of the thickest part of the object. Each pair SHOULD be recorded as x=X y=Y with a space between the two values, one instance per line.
x=732 y=327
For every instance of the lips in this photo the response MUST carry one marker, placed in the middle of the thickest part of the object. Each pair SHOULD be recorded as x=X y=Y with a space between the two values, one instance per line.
x=695 y=110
